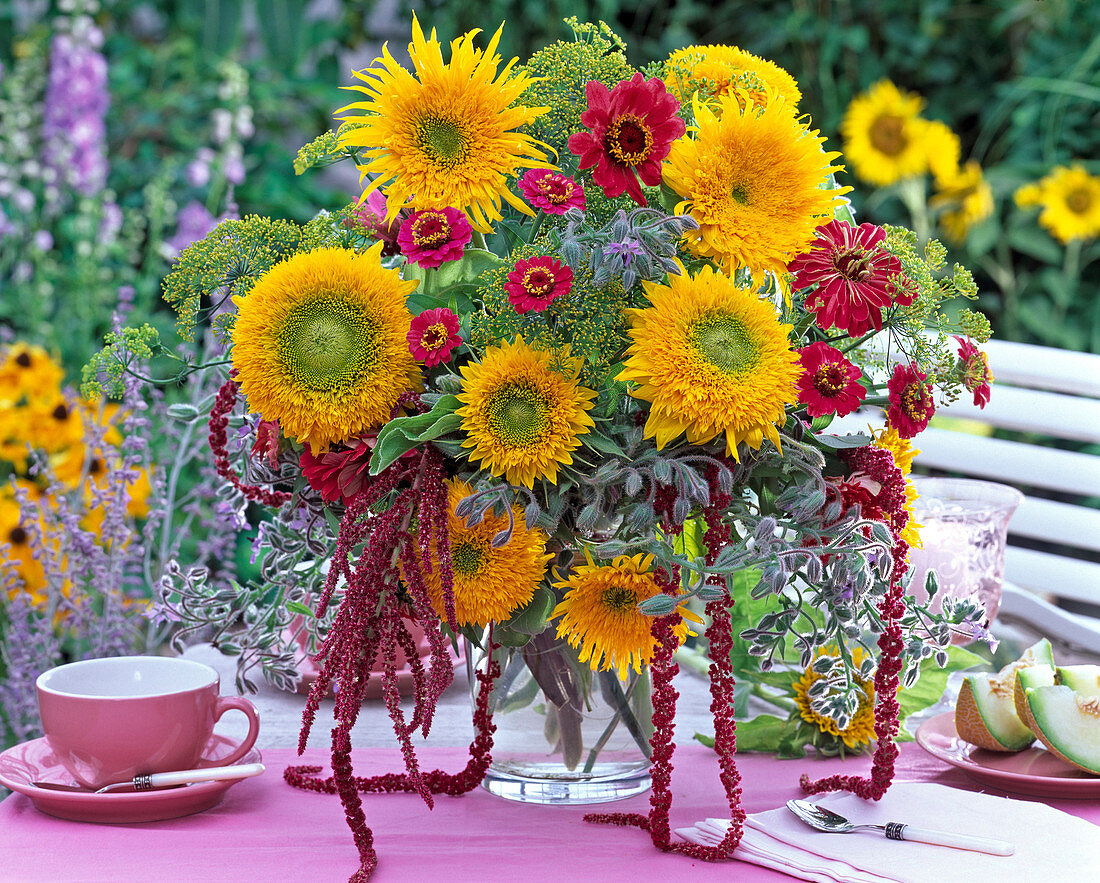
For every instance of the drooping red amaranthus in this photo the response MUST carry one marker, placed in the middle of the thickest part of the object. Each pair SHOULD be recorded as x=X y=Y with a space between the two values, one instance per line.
x=224 y=401
x=381 y=586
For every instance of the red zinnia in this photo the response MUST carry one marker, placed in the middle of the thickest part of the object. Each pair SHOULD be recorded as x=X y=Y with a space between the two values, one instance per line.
x=535 y=282
x=829 y=383
x=631 y=130
x=434 y=236
x=551 y=191
x=433 y=336
x=855 y=278
x=974 y=368
x=341 y=472
x=911 y=405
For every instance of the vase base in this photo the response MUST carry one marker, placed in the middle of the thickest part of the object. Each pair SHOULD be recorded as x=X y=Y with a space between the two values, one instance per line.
x=549 y=785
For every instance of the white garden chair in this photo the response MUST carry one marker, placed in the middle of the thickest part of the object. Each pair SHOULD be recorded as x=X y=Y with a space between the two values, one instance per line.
x=1053 y=395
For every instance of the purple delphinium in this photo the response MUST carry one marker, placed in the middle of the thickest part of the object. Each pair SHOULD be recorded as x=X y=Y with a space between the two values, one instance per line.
x=74 y=130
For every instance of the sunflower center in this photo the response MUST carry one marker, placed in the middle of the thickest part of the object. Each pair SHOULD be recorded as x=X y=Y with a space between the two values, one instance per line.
x=434 y=336
x=466 y=557
x=518 y=415
x=724 y=342
x=739 y=193
x=852 y=264
x=23 y=360
x=17 y=536
x=60 y=413
x=628 y=139
x=444 y=141
x=888 y=134
x=618 y=599
x=556 y=189
x=430 y=228
x=96 y=466
x=538 y=282
x=1079 y=201
x=830 y=380
x=325 y=344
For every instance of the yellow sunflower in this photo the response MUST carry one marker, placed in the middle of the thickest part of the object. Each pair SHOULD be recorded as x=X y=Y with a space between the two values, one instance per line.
x=599 y=613
x=965 y=198
x=319 y=344
x=28 y=369
x=715 y=69
x=711 y=357
x=860 y=731
x=14 y=534
x=445 y=135
x=943 y=150
x=489 y=583
x=754 y=178
x=1070 y=201
x=884 y=135
x=523 y=411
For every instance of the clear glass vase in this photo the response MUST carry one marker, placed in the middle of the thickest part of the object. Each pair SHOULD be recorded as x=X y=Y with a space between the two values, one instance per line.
x=564 y=733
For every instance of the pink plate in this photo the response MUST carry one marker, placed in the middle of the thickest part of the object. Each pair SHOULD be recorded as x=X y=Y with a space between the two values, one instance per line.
x=29 y=762
x=1033 y=771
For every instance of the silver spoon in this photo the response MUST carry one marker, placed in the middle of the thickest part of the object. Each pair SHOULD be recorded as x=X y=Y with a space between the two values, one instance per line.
x=826 y=820
x=166 y=780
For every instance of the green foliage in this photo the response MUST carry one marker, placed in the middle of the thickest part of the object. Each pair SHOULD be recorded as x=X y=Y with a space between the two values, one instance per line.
x=563 y=69
x=226 y=264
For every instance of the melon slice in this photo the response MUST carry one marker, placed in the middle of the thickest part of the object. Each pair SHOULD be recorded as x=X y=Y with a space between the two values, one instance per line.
x=985 y=714
x=1029 y=676
x=1068 y=724
x=1083 y=679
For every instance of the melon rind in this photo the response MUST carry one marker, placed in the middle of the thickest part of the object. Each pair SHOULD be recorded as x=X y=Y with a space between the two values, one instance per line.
x=1065 y=727
x=985 y=715
x=1029 y=676
x=1082 y=679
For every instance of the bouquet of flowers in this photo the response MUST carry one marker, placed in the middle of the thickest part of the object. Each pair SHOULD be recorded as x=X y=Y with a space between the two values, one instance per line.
x=559 y=381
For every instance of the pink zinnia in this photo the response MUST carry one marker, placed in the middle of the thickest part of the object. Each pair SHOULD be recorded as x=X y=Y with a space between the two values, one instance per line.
x=535 y=282
x=551 y=191
x=856 y=278
x=911 y=405
x=434 y=236
x=433 y=336
x=372 y=218
x=974 y=368
x=631 y=130
x=829 y=383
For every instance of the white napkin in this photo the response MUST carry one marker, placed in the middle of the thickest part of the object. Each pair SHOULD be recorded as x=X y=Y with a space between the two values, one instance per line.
x=1048 y=841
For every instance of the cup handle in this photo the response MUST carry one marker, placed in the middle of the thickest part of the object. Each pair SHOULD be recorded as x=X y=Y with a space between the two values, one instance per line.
x=236 y=703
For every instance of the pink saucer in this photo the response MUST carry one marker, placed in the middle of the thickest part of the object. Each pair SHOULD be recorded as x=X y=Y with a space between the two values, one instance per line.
x=33 y=761
x=1033 y=771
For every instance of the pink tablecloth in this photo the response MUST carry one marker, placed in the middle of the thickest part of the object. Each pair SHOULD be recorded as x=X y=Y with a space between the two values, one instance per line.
x=265 y=830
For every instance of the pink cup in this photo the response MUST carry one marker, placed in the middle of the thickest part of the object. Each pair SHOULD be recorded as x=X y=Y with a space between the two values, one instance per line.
x=108 y=720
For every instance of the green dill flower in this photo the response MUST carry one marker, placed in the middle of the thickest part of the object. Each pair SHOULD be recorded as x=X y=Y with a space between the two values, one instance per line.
x=102 y=375
x=226 y=263
x=324 y=150
x=591 y=320
x=596 y=53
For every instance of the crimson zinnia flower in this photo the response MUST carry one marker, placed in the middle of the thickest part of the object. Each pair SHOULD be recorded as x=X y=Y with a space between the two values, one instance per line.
x=631 y=130
x=434 y=236
x=551 y=191
x=341 y=472
x=829 y=383
x=856 y=279
x=911 y=405
x=535 y=282
x=974 y=368
x=433 y=336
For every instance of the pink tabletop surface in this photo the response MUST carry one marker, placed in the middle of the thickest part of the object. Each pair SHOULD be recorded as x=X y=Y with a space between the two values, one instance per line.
x=264 y=830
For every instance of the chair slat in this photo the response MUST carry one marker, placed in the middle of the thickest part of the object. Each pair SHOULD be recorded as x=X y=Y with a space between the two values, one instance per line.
x=1049 y=520
x=1047 y=574
x=1009 y=462
x=1041 y=367
x=1028 y=410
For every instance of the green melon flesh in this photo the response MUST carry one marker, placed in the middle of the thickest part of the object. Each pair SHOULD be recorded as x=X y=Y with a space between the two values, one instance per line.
x=985 y=715
x=1068 y=724
x=1030 y=676
x=1039 y=653
x=1082 y=679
